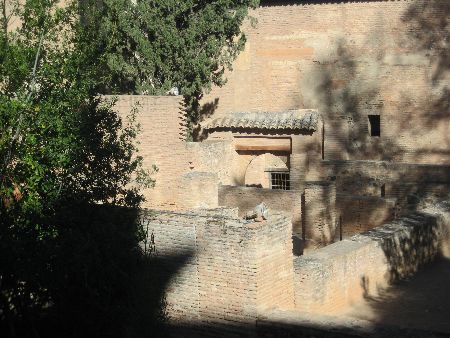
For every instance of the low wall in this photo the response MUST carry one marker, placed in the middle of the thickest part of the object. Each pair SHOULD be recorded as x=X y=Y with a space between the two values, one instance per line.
x=357 y=214
x=246 y=198
x=342 y=273
x=222 y=271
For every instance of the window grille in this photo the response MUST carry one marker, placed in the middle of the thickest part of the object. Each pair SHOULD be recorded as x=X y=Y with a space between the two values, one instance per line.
x=280 y=180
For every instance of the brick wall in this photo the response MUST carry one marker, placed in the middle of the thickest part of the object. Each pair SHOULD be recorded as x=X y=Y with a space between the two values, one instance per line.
x=405 y=182
x=179 y=184
x=214 y=156
x=175 y=243
x=357 y=214
x=333 y=277
x=318 y=214
x=351 y=60
x=223 y=271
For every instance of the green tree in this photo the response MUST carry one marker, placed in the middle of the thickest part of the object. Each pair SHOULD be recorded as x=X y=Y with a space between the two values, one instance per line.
x=151 y=46
x=65 y=157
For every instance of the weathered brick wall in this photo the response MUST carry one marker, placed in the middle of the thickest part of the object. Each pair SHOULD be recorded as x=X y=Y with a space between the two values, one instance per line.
x=223 y=271
x=234 y=263
x=179 y=184
x=318 y=214
x=351 y=60
x=333 y=277
x=214 y=156
x=246 y=198
x=175 y=243
x=407 y=183
x=357 y=214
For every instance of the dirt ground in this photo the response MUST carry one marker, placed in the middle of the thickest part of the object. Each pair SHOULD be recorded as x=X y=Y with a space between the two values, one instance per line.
x=422 y=302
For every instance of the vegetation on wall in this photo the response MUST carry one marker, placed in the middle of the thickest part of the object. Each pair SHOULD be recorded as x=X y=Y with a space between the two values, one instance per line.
x=153 y=46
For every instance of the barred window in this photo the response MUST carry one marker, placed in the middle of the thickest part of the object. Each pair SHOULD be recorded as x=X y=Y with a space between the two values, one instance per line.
x=280 y=180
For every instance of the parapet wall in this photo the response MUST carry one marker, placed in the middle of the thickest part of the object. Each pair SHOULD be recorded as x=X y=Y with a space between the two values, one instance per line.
x=329 y=279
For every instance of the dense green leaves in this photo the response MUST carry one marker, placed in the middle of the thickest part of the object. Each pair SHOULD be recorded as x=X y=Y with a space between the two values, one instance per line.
x=63 y=152
x=151 y=46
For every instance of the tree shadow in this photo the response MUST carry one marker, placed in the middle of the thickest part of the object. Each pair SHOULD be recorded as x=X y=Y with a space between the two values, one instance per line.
x=100 y=283
x=207 y=110
x=427 y=34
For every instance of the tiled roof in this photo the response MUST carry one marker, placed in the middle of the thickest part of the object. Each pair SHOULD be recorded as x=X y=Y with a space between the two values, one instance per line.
x=304 y=119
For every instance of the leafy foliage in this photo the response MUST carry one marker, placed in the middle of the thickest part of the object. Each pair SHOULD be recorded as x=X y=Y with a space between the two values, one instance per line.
x=68 y=162
x=151 y=46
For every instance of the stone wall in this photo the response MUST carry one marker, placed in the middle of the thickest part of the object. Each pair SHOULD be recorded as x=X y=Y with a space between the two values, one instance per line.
x=329 y=279
x=350 y=60
x=223 y=271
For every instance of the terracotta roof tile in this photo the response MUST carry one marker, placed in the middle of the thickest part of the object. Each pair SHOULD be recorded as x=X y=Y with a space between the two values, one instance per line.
x=304 y=119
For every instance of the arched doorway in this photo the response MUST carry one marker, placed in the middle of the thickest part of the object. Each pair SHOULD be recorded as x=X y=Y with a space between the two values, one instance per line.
x=260 y=171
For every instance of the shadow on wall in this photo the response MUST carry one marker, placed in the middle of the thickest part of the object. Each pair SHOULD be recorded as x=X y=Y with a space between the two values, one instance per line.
x=99 y=283
x=348 y=91
x=206 y=111
x=351 y=88
x=421 y=301
x=419 y=296
x=402 y=252
x=429 y=34
x=346 y=95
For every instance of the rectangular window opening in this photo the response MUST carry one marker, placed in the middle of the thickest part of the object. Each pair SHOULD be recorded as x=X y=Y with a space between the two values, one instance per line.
x=280 y=181
x=374 y=125
x=383 y=190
